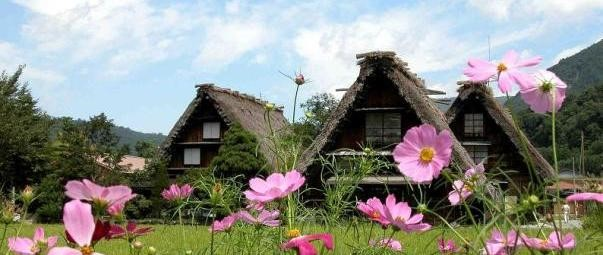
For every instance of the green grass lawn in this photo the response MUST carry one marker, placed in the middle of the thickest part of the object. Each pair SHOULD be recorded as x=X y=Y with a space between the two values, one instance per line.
x=176 y=239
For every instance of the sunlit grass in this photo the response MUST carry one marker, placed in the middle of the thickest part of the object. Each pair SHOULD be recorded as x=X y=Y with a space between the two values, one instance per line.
x=172 y=239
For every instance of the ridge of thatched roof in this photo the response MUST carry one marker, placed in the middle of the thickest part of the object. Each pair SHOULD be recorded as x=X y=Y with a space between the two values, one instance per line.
x=501 y=116
x=410 y=87
x=234 y=107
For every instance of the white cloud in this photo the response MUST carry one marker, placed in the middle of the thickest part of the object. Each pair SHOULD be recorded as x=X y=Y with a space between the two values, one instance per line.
x=127 y=33
x=552 y=10
x=329 y=49
x=227 y=39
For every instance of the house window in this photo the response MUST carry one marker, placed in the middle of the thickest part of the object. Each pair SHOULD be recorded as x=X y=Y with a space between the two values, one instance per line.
x=383 y=129
x=192 y=156
x=474 y=125
x=211 y=130
x=478 y=153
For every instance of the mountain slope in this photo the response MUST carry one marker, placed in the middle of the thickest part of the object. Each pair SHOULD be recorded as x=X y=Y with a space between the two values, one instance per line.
x=130 y=137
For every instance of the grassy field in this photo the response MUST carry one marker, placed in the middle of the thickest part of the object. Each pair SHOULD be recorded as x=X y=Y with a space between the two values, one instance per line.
x=178 y=239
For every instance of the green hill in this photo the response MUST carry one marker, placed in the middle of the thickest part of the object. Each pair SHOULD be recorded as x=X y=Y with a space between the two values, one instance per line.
x=580 y=119
x=130 y=137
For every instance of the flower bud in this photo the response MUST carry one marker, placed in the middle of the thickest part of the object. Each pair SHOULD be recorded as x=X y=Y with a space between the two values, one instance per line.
x=422 y=208
x=152 y=251
x=7 y=213
x=299 y=79
x=137 y=245
x=27 y=195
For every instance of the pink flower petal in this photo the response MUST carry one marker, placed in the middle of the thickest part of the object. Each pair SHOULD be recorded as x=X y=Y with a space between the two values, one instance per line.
x=79 y=222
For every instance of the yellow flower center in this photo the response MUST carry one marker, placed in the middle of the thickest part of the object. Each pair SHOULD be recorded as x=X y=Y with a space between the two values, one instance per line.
x=375 y=215
x=86 y=250
x=35 y=249
x=292 y=233
x=400 y=219
x=501 y=67
x=427 y=154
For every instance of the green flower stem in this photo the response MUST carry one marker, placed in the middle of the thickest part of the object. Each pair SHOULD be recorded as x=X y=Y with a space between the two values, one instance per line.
x=295 y=103
x=3 y=236
x=290 y=211
x=452 y=229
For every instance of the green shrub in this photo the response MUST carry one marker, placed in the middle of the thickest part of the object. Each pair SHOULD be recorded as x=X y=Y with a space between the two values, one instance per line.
x=594 y=218
x=239 y=155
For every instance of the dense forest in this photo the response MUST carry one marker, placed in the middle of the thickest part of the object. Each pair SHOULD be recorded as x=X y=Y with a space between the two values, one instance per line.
x=580 y=120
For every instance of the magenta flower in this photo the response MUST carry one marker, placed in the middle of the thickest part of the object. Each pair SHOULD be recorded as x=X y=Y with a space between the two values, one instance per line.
x=130 y=233
x=79 y=224
x=507 y=70
x=447 y=246
x=374 y=210
x=303 y=246
x=116 y=209
x=103 y=196
x=400 y=215
x=265 y=217
x=500 y=244
x=389 y=243
x=275 y=186
x=587 y=196
x=538 y=92
x=37 y=245
x=555 y=242
x=462 y=189
x=224 y=224
x=423 y=153
x=175 y=192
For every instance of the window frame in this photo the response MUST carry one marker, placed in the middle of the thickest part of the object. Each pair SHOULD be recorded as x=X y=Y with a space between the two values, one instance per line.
x=209 y=130
x=478 y=153
x=384 y=135
x=473 y=126
x=190 y=152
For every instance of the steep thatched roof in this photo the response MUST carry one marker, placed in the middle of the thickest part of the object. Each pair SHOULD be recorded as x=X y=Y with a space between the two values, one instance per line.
x=233 y=107
x=502 y=118
x=410 y=87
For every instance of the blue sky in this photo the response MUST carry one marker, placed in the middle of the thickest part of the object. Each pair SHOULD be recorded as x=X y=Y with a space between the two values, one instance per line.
x=138 y=61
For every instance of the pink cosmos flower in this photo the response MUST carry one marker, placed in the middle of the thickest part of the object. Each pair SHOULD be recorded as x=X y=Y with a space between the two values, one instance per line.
x=374 y=209
x=538 y=92
x=423 y=153
x=587 y=196
x=265 y=217
x=130 y=233
x=79 y=224
x=104 y=196
x=224 y=224
x=303 y=246
x=499 y=244
x=462 y=189
x=555 y=242
x=26 y=246
x=175 y=192
x=447 y=246
x=275 y=186
x=389 y=243
x=507 y=70
x=400 y=215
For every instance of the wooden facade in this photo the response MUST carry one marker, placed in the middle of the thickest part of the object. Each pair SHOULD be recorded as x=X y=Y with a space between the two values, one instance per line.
x=197 y=136
x=488 y=133
x=376 y=111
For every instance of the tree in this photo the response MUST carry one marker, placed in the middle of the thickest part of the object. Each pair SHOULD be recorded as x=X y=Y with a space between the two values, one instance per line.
x=23 y=133
x=239 y=154
x=318 y=108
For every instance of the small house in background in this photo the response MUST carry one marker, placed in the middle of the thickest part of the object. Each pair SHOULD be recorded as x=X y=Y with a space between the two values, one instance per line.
x=128 y=164
x=197 y=136
x=488 y=133
x=384 y=102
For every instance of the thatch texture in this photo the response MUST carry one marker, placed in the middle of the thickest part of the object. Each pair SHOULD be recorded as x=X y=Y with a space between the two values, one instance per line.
x=233 y=107
x=502 y=117
x=409 y=86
